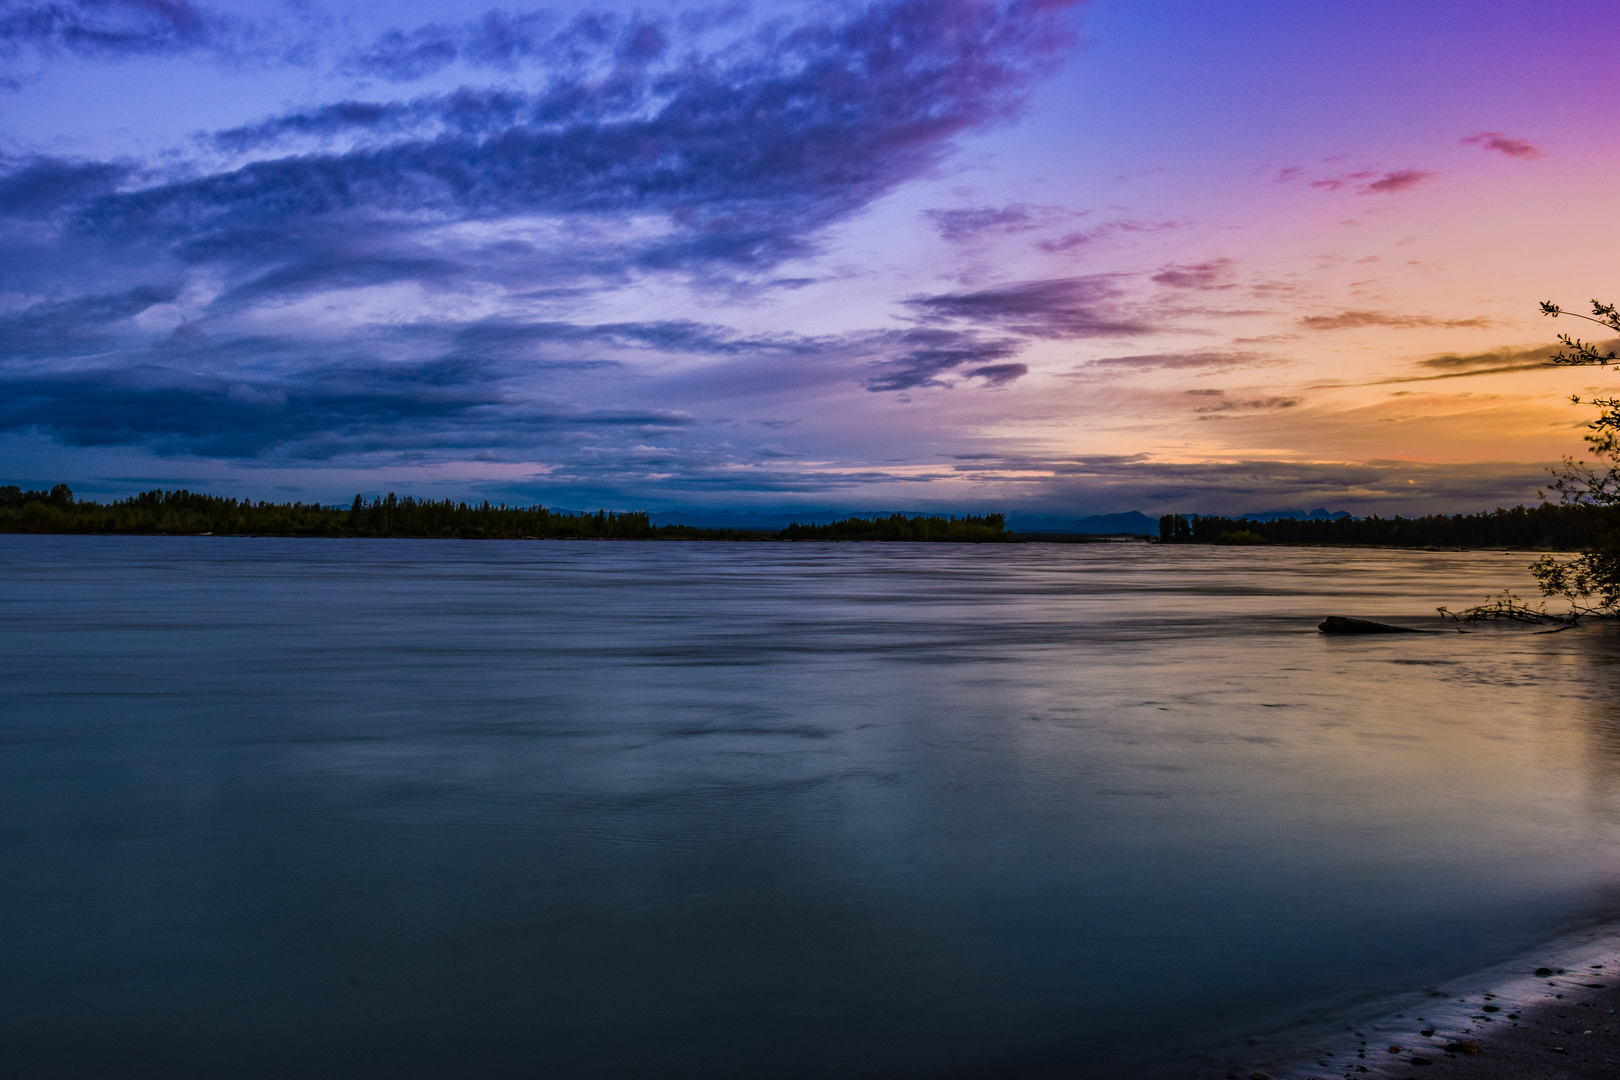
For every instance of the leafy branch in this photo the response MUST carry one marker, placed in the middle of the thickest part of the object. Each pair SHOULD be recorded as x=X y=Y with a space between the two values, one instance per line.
x=1503 y=608
x=1574 y=351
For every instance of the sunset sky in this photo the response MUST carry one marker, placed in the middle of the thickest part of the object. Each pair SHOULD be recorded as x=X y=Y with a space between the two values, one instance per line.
x=1051 y=256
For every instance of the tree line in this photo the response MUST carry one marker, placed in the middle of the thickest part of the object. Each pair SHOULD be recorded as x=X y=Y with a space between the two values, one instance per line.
x=1552 y=526
x=1549 y=526
x=970 y=529
x=189 y=513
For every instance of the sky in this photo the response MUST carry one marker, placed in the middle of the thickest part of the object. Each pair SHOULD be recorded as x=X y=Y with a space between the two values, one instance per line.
x=1040 y=256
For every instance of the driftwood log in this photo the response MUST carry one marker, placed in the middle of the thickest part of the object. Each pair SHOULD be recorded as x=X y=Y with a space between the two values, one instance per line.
x=1338 y=624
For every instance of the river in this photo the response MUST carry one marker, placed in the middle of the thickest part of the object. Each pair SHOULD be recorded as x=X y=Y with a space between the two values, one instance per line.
x=406 y=808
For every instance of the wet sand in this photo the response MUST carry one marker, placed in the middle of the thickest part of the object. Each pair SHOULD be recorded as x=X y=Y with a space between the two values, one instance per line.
x=1551 y=1015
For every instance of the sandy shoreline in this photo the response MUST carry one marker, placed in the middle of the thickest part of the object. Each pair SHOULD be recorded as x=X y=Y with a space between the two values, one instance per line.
x=1551 y=1014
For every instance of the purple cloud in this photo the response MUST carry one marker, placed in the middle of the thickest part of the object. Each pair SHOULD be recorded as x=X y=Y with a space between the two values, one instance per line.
x=999 y=374
x=1363 y=181
x=1214 y=274
x=1400 y=180
x=1072 y=240
x=1066 y=242
x=1503 y=144
x=1076 y=307
x=925 y=356
x=960 y=225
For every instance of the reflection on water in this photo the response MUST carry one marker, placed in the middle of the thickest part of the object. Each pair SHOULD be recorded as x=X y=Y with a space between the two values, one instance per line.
x=411 y=808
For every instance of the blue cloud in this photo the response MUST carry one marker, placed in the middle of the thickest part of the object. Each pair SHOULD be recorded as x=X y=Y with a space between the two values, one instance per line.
x=109 y=27
x=44 y=185
x=68 y=327
x=318 y=413
x=643 y=154
x=119 y=30
x=745 y=155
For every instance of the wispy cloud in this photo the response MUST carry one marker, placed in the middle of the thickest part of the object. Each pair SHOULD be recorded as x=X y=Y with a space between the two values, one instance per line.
x=999 y=374
x=1250 y=405
x=1079 y=238
x=1497 y=362
x=1212 y=361
x=1537 y=356
x=1351 y=320
x=1362 y=181
x=503 y=40
x=922 y=357
x=1399 y=180
x=1212 y=274
x=1234 y=486
x=1074 y=307
x=1504 y=144
x=958 y=226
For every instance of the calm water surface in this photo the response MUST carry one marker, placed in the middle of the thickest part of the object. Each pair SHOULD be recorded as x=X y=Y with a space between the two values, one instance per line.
x=412 y=808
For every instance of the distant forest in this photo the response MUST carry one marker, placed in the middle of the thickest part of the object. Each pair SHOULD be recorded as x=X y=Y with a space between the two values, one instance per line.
x=1545 y=526
x=188 y=513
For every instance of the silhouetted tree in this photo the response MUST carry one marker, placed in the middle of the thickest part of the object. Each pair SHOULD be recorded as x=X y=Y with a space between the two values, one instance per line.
x=1590 y=581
